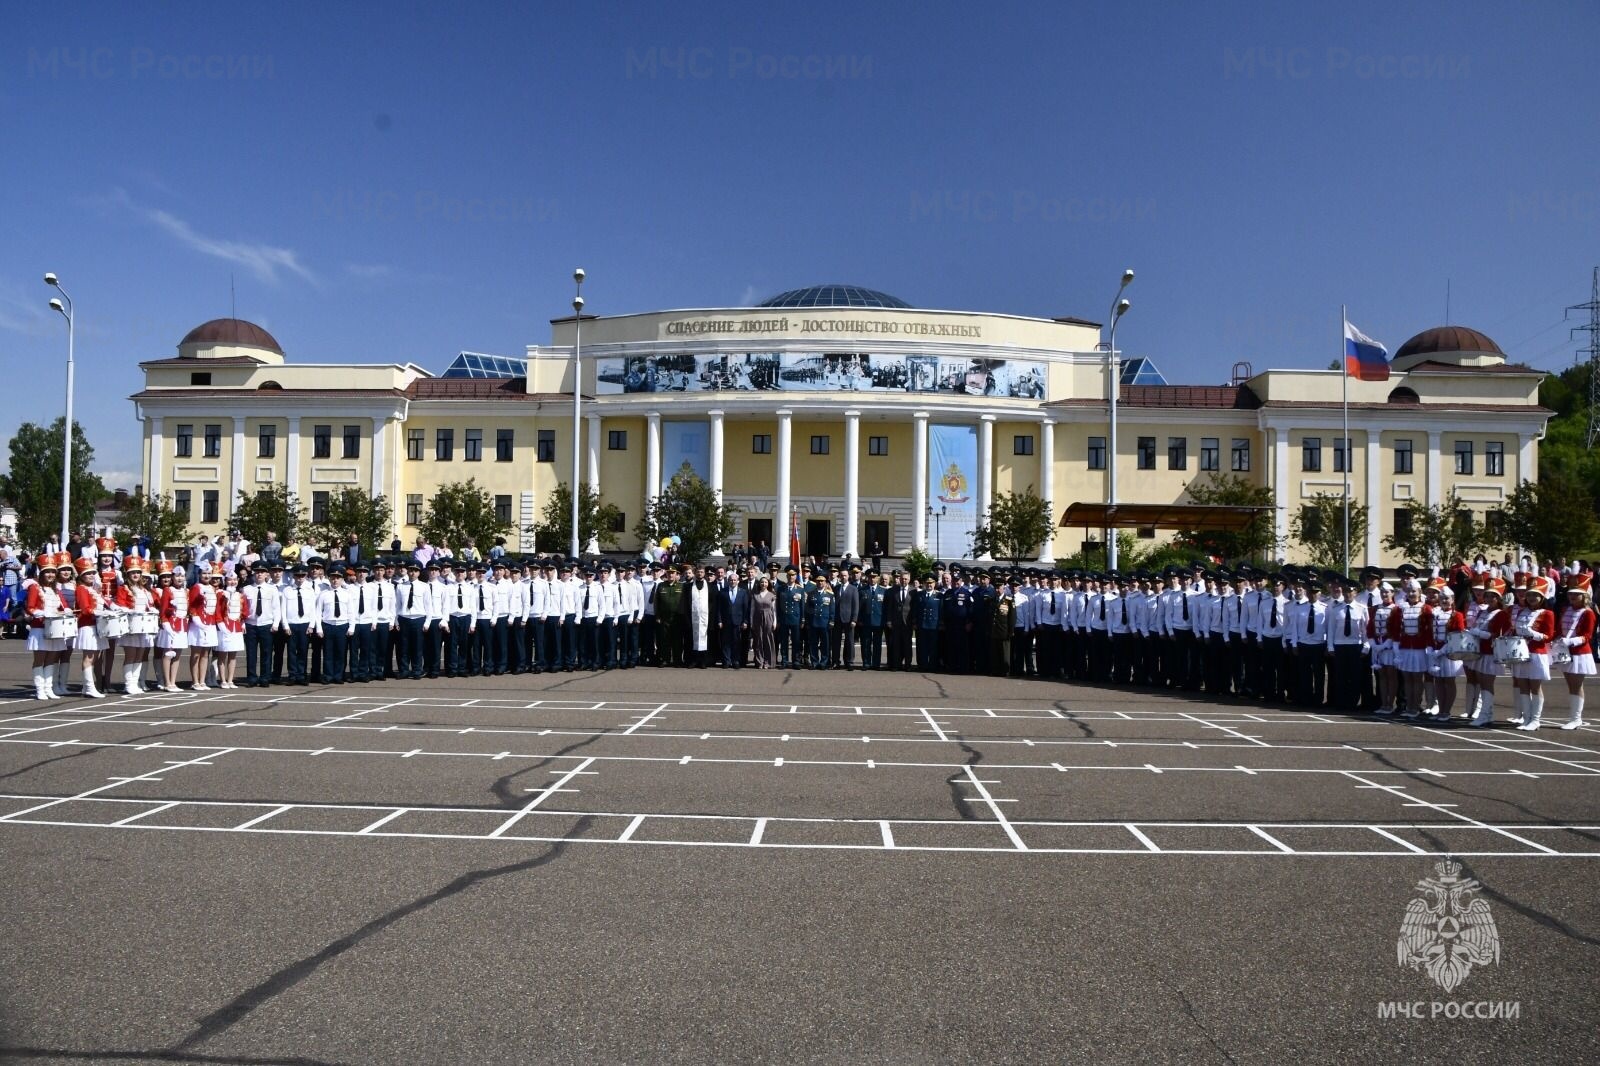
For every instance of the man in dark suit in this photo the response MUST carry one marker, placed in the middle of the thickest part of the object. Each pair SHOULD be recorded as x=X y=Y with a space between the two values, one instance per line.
x=733 y=621
x=352 y=552
x=846 y=613
x=899 y=619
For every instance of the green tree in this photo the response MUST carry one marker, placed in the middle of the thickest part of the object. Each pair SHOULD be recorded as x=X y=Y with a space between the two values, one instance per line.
x=597 y=522
x=1016 y=525
x=1257 y=540
x=276 y=509
x=687 y=508
x=1551 y=518
x=918 y=563
x=355 y=510
x=1443 y=533
x=151 y=518
x=1319 y=527
x=34 y=484
x=461 y=509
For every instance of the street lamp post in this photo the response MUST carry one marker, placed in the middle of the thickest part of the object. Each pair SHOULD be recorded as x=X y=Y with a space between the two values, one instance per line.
x=577 y=397
x=1119 y=307
x=936 y=515
x=63 y=306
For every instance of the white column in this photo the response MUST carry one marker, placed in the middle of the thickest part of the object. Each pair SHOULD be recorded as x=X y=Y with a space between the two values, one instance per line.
x=1374 y=504
x=1434 y=493
x=919 y=476
x=1047 y=476
x=291 y=469
x=985 y=468
x=379 y=428
x=238 y=463
x=1527 y=470
x=652 y=455
x=592 y=476
x=1280 y=489
x=716 y=452
x=785 y=504
x=157 y=457
x=852 y=481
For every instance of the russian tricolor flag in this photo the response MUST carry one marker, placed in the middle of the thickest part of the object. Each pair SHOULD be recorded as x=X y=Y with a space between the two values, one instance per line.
x=1364 y=358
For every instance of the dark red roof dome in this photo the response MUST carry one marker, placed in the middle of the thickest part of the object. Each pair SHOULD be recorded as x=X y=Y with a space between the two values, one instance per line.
x=231 y=331
x=1448 y=339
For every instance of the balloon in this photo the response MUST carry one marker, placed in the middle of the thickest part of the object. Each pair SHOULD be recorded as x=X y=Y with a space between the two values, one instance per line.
x=666 y=542
x=676 y=540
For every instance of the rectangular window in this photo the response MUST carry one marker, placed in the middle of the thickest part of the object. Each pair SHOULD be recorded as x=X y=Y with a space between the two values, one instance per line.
x=617 y=440
x=183 y=443
x=209 y=500
x=504 y=445
x=472 y=447
x=761 y=444
x=1311 y=454
x=416 y=440
x=1494 y=458
x=1210 y=454
x=321 y=442
x=266 y=442
x=180 y=503
x=1494 y=526
x=1241 y=455
x=1402 y=523
x=819 y=445
x=619 y=524
x=1341 y=453
x=1022 y=444
x=1463 y=457
x=1147 y=453
x=444 y=445
x=352 y=442
x=413 y=508
x=1310 y=522
x=200 y=377
x=502 y=509
x=547 y=446
x=1147 y=532
x=1402 y=457
x=213 y=442
x=877 y=445
x=1177 y=453
x=1097 y=453
x=319 y=508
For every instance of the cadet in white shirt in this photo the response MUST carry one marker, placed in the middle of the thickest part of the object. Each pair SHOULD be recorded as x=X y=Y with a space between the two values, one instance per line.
x=263 y=616
x=336 y=611
x=413 y=602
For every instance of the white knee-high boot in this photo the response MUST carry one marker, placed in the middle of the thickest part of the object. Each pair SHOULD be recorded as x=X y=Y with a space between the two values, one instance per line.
x=63 y=679
x=1535 y=711
x=90 y=689
x=1522 y=709
x=47 y=674
x=39 y=692
x=130 y=680
x=1483 y=708
x=1470 y=708
x=1574 y=710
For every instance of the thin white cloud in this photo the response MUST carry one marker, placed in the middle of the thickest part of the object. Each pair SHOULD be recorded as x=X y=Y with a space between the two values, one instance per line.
x=119 y=479
x=266 y=262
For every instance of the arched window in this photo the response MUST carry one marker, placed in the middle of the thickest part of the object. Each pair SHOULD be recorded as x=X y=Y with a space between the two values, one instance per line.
x=273 y=385
x=1404 y=395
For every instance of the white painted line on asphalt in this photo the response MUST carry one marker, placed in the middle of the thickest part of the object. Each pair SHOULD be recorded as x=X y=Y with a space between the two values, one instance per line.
x=755 y=835
x=888 y=835
x=1270 y=839
x=261 y=818
x=385 y=820
x=145 y=814
x=1398 y=840
x=627 y=834
x=540 y=798
x=995 y=807
x=1146 y=841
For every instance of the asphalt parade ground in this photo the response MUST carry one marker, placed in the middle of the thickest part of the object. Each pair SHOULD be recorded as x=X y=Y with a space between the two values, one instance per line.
x=719 y=866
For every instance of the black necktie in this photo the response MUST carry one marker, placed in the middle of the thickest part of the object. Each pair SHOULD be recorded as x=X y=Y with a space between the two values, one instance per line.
x=1274 y=622
x=1347 y=619
x=1124 y=611
x=361 y=600
x=460 y=603
x=411 y=595
x=1311 y=617
x=300 y=600
x=336 y=603
x=1185 y=596
x=1102 y=608
x=480 y=597
x=380 y=597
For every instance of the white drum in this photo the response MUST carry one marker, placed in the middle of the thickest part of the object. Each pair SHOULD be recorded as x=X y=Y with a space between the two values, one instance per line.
x=61 y=627
x=1560 y=654
x=143 y=624
x=1460 y=646
x=111 y=626
x=1511 y=649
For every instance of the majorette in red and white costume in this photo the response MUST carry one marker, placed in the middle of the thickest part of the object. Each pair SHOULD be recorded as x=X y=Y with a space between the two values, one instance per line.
x=1411 y=628
x=1577 y=633
x=203 y=609
x=174 y=603
x=232 y=613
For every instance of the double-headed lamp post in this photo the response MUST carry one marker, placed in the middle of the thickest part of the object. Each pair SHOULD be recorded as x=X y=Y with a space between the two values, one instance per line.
x=63 y=305
x=577 y=397
x=1119 y=307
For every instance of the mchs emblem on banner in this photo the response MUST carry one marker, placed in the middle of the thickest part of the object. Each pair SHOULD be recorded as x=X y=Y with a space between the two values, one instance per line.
x=1446 y=933
x=955 y=486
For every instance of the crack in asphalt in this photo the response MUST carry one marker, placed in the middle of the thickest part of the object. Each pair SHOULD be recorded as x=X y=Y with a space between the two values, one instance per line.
x=1528 y=911
x=158 y=1055
x=502 y=785
x=1424 y=779
x=1188 y=1009
x=963 y=802
x=237 y=1009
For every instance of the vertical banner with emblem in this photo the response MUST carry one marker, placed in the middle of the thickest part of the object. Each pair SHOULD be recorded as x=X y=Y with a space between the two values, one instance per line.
x=953 y=486
x=684 y=442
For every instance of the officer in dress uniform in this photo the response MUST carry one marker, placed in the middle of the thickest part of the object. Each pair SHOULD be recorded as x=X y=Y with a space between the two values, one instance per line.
x=872 y=612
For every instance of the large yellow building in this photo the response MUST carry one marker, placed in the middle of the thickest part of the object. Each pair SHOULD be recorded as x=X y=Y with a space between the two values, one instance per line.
x=873 y=422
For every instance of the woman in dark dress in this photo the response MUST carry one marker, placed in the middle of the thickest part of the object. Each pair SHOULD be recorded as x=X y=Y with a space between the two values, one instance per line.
x=764 y=625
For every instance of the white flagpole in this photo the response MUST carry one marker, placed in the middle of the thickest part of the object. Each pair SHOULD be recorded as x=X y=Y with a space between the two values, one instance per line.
x=1344 y=375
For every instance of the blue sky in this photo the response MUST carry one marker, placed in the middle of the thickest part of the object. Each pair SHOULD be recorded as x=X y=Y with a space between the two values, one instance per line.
x=397 y=183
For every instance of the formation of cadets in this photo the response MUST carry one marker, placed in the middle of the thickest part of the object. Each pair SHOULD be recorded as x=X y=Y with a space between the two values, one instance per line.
x=1297 y=636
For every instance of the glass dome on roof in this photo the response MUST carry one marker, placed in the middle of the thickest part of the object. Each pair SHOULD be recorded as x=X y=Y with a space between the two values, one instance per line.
x=833 y=296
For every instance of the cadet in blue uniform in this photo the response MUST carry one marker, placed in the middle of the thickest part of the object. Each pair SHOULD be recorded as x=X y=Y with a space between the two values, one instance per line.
x=957 y=620
x=872 y=598
x=819 y=621
x=927 y=611
x=791 y=621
